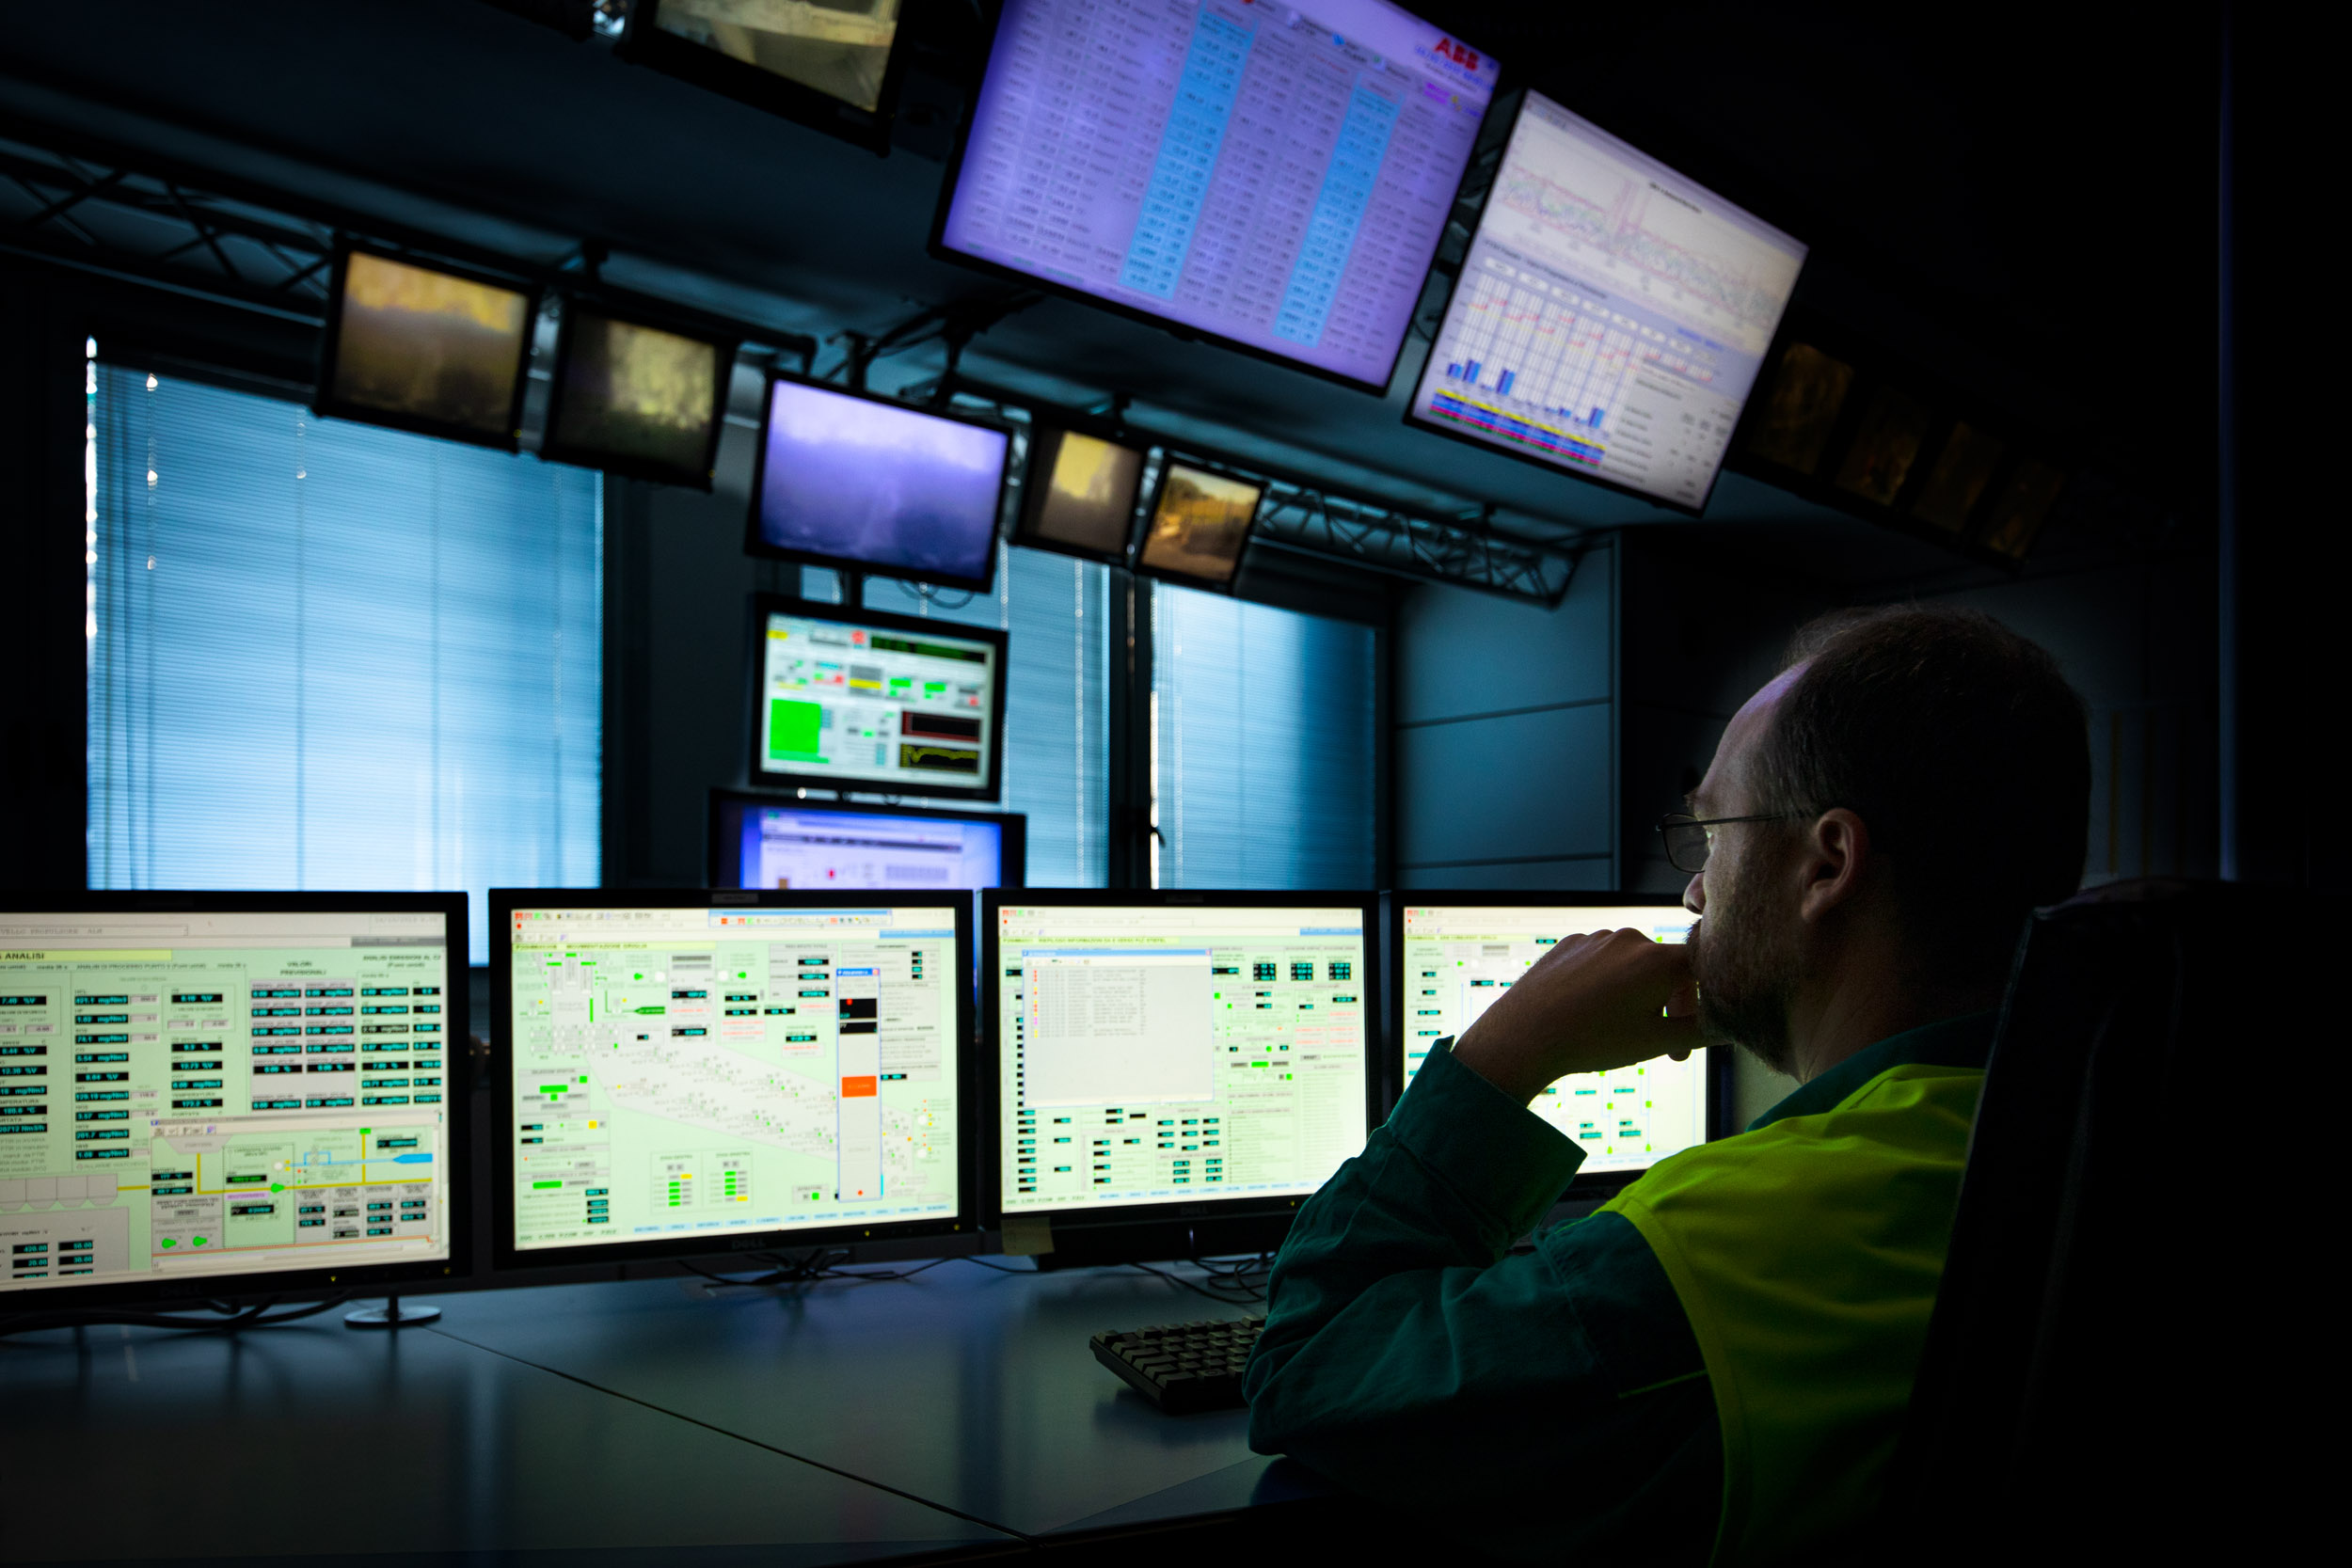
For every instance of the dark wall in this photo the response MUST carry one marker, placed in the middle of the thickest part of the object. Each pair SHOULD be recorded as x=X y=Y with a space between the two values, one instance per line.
x=1505 y=735
x=1700 y=633
x=42 y=749
x=2138 y=637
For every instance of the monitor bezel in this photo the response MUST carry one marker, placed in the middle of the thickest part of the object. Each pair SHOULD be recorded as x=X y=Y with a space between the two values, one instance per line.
x=757 y=545
x=754 y=657
x=508 y=1259
x=1170 y=463
x=991 y=1138
x=1414 y=420
x=939 y=247
x=450 y=1272
x=1721 y=1059
x=1013 y=831
x=326 y=406
x=554 y=449
x=1033 y=496
x=645 y=44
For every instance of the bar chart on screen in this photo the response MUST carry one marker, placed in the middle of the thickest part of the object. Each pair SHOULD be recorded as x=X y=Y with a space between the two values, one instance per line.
x=1610 y=314
x=1554 y=362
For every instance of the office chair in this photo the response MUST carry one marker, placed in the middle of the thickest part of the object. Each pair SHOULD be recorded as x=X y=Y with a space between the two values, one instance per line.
x=2078 y=1367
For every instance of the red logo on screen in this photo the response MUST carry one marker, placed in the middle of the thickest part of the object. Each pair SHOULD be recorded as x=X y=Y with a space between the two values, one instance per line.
x=1460 y=53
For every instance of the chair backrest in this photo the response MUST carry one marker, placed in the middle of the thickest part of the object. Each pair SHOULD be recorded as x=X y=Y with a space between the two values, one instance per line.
x=2067 y=1398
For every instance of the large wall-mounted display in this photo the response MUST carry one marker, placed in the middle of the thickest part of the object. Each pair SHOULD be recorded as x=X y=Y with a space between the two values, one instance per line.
x=1273 y=179
x=1612 y=315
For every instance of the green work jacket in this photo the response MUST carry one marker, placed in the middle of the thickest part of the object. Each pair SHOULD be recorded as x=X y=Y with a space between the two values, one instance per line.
x=1639 y=1386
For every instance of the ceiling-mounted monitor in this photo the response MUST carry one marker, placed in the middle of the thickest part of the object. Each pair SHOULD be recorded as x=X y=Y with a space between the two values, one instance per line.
x=425 y=348
x=635 y=399
x=1270 y=179
x=1199 y=525
x=1611 y=317
x=1080 y=498
x=835 y=66
x=889 y=704
x=847 y=479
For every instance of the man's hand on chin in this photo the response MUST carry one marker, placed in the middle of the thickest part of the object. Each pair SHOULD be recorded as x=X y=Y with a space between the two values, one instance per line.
x=1591 y=1003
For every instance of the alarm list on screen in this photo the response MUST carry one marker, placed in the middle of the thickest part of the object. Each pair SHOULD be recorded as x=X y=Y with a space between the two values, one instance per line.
x=1276 y=178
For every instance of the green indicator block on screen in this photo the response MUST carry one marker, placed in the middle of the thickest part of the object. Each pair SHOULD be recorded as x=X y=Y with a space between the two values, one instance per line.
x=543 y=1186
x=792 y=727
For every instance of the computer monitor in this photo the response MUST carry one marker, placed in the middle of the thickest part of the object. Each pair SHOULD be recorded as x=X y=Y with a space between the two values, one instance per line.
x=843 y=478
x=635 y=399
x=224 y=1094
x=833 y=68
x=1080 y=496
x=1611 y=317
x=425 y=348
x=1167 y=1061
x=697 y=1071
x=771 y=841
x=1273 y=180
x=1199 y=525
x=858 y=699
x=1454 y=954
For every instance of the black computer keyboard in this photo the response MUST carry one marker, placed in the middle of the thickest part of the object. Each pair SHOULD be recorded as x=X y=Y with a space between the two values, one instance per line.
x=1183 y=1367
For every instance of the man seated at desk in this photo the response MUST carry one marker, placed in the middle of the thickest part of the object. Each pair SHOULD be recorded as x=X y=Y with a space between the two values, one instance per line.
x=1718 y=1361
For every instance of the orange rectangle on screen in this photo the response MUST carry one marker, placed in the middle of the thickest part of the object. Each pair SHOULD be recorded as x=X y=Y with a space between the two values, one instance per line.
x=860 y=1088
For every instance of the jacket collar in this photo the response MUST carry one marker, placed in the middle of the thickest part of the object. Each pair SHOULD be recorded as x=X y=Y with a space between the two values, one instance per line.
x=1964 y=1041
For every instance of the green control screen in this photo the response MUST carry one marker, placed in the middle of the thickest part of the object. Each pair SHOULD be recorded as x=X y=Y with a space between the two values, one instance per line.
x=1153 y=1054
x=1459 y=958
x=191 y=1095
x=683 y=1072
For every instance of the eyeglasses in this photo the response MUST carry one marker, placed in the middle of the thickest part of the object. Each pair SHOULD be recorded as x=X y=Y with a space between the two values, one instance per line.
x=1688 y=838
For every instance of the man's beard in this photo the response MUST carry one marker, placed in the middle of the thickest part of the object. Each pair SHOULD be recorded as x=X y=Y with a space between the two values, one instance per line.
x=1746 y=969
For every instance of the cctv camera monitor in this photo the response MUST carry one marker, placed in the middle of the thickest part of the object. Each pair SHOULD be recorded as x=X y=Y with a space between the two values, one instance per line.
x=636 y=399
x=889 y=704
x=1611 y=317
x=1161 y=1054
x=697 y=1071
x=1201 y=522
x=1458 y=954
x=845 y=480
x=426 y=348
x=225 y=1093
x=1081 y=496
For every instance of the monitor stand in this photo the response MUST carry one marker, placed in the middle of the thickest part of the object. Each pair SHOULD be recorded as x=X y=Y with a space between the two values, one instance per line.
x=1083 y=1247
x=390 y=1315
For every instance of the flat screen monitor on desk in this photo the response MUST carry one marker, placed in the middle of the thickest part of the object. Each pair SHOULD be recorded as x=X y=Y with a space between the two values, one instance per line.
x=860 y=700
x=1611 y=317
x=1174 y=1069
x=1269 y=179
x=1456 y=953
x=226 y=1093
x=697 y=1072
x=767 y=841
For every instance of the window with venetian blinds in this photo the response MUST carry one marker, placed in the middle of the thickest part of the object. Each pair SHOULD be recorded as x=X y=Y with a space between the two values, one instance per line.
x=326 y=656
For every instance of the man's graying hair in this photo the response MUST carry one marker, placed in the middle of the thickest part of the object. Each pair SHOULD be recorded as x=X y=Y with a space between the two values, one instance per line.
x=1964 y=751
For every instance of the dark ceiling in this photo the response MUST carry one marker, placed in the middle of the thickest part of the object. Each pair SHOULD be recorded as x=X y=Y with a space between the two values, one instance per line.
x=2006 y=198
